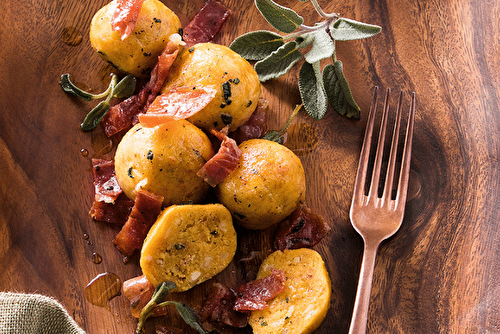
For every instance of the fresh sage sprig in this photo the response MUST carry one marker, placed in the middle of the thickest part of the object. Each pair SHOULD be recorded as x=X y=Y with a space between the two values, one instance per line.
x=276 y=54
x=123 y=89
x=158 y=300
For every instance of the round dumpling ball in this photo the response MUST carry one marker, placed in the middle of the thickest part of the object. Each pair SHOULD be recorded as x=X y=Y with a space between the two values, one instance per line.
x=138 y=53
x=267 y=185
x=218 y=67
x=164 y=160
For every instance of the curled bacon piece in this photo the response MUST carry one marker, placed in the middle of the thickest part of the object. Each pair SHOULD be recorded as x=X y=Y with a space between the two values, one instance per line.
x=125 y=16
x=215 y=170
x=123 y=115
x=106 y=186
x=138 y=291
x=206 y=23
x=178 y=103
x=218 y=308
x=146 y=208
x=255 y=127
x=302 y=229
x=253 y=295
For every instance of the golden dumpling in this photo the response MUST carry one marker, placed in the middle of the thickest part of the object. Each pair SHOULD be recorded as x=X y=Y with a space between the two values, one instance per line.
x=164 y=160
x=188 y=244
x=267 y=185
x=218 y=67
x=304 y=303
x=138 y=53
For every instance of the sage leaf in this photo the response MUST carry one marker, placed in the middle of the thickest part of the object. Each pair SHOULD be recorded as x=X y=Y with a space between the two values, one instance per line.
x=322 y=46
x=278 y=136
x=125 y=88
x=95 y=116
x=338 y=92
x=256 y=45
x=346 y=29
x=279 y=62
x=281 y=18
x=70 y=88
x=312 y=91
x=190 y=317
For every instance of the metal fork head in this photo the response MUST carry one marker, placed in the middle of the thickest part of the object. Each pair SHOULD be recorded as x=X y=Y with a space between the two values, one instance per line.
x=368 y=208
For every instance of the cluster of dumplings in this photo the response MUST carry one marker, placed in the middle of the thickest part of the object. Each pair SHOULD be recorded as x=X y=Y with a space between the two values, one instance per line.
x=191 y=241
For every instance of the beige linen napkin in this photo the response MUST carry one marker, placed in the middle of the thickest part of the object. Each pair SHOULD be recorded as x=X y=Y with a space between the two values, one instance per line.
x=32 y=313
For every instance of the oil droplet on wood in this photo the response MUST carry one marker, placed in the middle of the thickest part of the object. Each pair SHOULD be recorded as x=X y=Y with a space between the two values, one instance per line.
x=71 y=36
x=84 y=152
x=102 y=289
x=85 y=236
x=96 y=258
x=301 y=139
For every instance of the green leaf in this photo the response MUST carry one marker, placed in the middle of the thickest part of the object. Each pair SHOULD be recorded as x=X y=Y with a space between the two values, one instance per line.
x=279 y=62
x=70 y=88
x=338 y=91
x=312 y=91
x=256 y=45
x=278 y=136
x=95 y=116
x=190 y=317
x=346 y=29
x=125 y=88
x=281 y=18
x=322 y=46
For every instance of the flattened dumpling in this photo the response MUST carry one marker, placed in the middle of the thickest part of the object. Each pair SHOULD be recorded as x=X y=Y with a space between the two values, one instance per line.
x=304 y=303
x=188 y=244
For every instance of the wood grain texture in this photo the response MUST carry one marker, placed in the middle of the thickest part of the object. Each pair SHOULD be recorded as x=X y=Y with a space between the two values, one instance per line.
x=438 y=274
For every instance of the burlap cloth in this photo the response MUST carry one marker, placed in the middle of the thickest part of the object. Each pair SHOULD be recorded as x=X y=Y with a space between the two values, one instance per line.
x=32 y=314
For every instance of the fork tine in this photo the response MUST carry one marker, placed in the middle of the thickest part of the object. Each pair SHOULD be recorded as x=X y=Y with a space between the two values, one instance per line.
x=359 y=185
x=405 y=165
x=389 y=180
x=373 y=192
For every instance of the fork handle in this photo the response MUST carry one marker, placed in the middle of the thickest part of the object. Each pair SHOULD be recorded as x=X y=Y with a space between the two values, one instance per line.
x=360 y=313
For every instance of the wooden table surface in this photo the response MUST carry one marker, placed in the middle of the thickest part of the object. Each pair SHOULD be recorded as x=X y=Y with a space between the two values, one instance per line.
x=438 y=274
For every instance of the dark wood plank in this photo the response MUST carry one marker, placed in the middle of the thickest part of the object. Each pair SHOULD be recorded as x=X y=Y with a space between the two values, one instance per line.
x=438 y=274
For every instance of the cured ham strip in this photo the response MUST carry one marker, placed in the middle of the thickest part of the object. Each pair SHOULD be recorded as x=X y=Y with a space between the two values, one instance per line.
x=254 y=295
x=123 y=115
x=215 y=170
x=125 y=16
x=255 y=127
x=302 y=229
x=178 y=103
x=218 y=308
x=206 y=23
x=105 y=184
x=138 y=291
x=113 y=213
x=146 y=208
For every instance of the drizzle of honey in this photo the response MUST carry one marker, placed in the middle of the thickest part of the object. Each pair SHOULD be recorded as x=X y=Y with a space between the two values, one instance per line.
x=302 y=138
x=102 y=289
x=101 y=143
x=71 y=36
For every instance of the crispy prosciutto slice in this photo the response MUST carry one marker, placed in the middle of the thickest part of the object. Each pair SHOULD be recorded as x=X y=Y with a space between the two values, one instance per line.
x=254 y=295
x=215 y=170
x=105 y=184
x=138 y=291
x=125 y=16
x=206 y=23
x=302 y=229
x=146 y=208
x=255 y=127
x=218 y=308
x=113 y=213
x=123 y=115
x=178 y=103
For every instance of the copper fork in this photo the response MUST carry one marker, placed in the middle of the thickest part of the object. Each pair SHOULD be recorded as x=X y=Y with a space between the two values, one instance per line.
x=376 y=214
